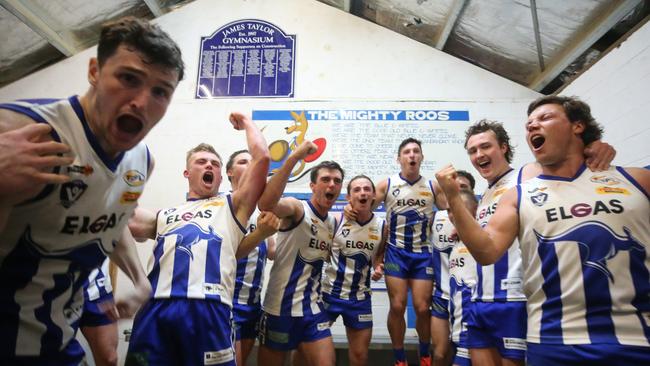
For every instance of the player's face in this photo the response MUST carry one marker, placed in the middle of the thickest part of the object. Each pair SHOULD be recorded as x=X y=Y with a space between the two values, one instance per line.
x=361 y=195
x=487 y=156
x=131 y=96
x=240 y=163
x=463 y=183
x=410 y=158
x=327 y=188
x=549 y=133
x=204 y=174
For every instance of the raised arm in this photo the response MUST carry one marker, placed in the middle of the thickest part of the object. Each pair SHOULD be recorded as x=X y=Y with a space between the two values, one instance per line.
x=254 y=178
x=125 y=256
x=267 y=225
x=440 y=197
x=486 y=245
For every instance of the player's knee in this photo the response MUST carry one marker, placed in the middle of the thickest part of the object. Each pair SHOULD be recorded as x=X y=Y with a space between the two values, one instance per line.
x=107 y=359
x=358 y=357
x=398 y=306
x=422 y=310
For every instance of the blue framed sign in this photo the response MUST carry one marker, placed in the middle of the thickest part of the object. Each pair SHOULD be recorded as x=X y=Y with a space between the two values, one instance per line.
x=246 y=58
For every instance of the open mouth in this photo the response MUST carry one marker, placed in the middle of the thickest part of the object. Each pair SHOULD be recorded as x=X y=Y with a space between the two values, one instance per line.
x=329 y=196
x=208 y=177
x=537 y=141
x=412 y=163
x=484 y=164
x=129 y=124
x=363 y=201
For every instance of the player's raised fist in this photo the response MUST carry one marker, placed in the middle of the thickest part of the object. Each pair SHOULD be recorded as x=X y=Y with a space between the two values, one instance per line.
x=239 y=120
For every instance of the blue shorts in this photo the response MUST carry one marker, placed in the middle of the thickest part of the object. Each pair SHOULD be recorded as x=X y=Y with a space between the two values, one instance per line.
x=182 y=332
x=285 y=333
x=586 y=354
x=500 y=325
x=439 y=307
x=93 y=315
x=461 y=356
x=247 y=321
x=355 y=314
x=400 y=263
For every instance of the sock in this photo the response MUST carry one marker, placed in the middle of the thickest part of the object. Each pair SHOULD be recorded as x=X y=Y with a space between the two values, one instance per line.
x=424 y=349
x=399 y=354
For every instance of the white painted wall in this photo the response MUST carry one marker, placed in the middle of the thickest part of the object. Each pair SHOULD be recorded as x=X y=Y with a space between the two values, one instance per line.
x=339 y=58
x=617 y=89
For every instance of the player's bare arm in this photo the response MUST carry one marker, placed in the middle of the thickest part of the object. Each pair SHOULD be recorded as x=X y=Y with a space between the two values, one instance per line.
x=267 y=225
x=143 y=224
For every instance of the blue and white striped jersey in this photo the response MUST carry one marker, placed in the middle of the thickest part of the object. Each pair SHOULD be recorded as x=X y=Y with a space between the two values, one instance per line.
x=442 y=245
x=462 y=279
x=250 y=271
x=194 y=255
x=347 y=276
x=501 y=281
x=409 y=210
x=52 y=243
x=294 y=287
x=585 y=244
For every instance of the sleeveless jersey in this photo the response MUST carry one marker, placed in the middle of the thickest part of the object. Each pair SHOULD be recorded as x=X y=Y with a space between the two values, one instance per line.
x=295 y=279
x=52 y=242
x=194 y=254
x=585 y=244
x=409 y=209
x=501 y=281
x=462 y=279
x=442 y=245
x=98 y=284
x=348 y=272
x=250 y=271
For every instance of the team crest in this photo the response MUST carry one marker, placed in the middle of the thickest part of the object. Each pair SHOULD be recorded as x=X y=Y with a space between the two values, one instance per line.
x=71 y=192
x=539 y=199
x=395 y=192
x=438 y=227
x=345 y=232
x=314 y=229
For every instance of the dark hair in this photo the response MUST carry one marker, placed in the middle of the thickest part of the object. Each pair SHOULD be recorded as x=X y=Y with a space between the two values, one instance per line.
x=469 y=196
x=485 y=125
x=327 y=164
x=576 y=111
x=406 y=142
x=231 y=161
x=361 y=176
x=201 y=147
x=468 y=176
x=146 y=38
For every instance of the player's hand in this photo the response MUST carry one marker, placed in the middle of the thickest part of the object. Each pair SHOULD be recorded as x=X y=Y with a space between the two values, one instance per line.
x=109 y=309
x=239 y=120
x=349 y=212
x=27 y=158
x=129 y=303
x=379 y=271
x=447 y=180
x=599 y=155
x=267 y=223
x=305 y=149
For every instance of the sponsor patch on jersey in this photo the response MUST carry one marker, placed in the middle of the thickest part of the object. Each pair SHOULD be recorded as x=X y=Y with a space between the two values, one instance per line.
x=134 y=178
x=373 y=237
x=373 y=229
x=539 y=199
x=81 y=169
x=612 y=190
x=213 y=289
x=216 y=203
x=511 y=284
x=278 y=337
x=429 y=270
x=365 y=317
x=499 y=192
x=217 y=357
x=71 y=192
x=514 y=343
x=426 y=194
x=538 y=189
x=603 y=179
x=129 y=197
x=323 y=326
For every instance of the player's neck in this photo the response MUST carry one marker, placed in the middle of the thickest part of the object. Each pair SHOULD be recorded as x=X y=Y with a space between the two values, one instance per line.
x=567 y=167
x=364 y=216
x=410 y=175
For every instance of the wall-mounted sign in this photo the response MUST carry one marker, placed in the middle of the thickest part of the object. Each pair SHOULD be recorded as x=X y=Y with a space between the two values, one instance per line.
x=246 y=58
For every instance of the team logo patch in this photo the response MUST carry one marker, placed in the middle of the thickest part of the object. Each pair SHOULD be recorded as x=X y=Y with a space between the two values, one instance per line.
x=426 y=194
x=81 y=169
x=429 y=270
x=218 y=357
x=134 y=178
x=539 y=199
x=314 y=229
x=345 y=232
x=129 y=197
x=612 y=190
x=603 y=179
x=438 y=227
x=395 y=192
x=373 y=237
x=71 y=192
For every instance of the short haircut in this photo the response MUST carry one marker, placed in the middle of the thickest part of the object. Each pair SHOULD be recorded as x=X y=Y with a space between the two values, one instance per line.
x=361 y=176
x=406 y=142
x=201 y=147
x=327 y=164
x=468 y=176
x=144 y=37
x=231 y=161
x=576 y=111
x=485 y=125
